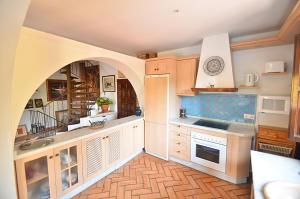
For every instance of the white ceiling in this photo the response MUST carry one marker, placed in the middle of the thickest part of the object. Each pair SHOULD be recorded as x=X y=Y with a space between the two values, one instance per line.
x=132 y=26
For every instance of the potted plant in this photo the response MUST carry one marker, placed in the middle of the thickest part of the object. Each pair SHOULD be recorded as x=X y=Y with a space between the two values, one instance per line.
x=104 y=103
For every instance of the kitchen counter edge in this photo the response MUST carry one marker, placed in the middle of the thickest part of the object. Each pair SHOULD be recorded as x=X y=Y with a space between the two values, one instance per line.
x=242 y=130
x=76 y=135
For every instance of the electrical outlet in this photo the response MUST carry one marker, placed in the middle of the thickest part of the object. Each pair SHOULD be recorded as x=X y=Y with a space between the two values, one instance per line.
x=249 y=116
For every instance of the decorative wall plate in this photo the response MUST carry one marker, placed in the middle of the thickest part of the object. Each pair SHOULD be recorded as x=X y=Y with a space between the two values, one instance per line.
x=213 y=65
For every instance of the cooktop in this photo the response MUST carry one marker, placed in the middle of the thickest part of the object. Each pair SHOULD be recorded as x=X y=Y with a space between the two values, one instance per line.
x=212 y=124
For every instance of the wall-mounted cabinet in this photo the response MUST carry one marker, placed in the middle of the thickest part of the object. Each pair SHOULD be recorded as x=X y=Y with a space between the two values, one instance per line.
x=158 y=66
x=186 y=73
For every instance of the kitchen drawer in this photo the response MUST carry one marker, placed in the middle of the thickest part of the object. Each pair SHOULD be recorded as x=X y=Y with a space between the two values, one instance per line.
x=179 y=129
x=273 y=133
x=175 y=135
x=180 y=152
x=179 y=143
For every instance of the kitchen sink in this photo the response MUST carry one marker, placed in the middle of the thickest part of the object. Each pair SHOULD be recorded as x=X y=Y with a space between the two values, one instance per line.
x=212 y=124
x=34 y=144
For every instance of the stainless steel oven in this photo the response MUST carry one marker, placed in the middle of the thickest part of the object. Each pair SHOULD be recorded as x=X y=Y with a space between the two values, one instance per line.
x=209 y=151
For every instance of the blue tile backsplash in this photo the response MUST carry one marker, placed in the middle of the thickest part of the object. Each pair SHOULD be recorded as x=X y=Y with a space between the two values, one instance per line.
x=230 y=107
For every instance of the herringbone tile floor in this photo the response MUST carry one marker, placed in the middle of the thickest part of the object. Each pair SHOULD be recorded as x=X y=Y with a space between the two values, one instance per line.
x=149 y=177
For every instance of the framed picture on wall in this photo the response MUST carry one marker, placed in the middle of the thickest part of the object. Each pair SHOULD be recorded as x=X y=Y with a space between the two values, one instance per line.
x=108 y=83
x=56 y=89
x=21 y=130
x=29 y=104
x=38 y=103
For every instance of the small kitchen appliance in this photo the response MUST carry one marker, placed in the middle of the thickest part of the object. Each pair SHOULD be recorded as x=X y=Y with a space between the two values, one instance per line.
x=182 y=113
x=274 y=67
x=251 y=79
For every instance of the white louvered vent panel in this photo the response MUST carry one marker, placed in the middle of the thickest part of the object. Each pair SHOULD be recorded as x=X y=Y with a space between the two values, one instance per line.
x=94 y=153
x=114 y=146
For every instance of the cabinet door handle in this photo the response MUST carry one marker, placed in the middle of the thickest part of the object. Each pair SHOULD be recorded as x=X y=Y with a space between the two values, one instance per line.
x=178 y=134
x=107 y=137
x=50 y=157
x=178 y=143
x=103 y=138
x=56 y=155
x=178 y=126
x=178 y=151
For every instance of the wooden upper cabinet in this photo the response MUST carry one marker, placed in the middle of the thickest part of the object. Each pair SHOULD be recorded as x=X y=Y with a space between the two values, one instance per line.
x=294 y=126
x=186 y=72
x=162 y=65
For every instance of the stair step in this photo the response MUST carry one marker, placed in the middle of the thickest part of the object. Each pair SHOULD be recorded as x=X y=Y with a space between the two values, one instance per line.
x=77 y=83
x=80 y=108
x=82 y=103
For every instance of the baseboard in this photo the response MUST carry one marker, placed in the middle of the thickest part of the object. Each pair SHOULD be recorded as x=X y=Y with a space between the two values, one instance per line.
x=158 y=156
x=209 y=171
x=99 y=177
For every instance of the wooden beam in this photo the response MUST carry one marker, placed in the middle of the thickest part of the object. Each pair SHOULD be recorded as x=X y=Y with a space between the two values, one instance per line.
x=288 y=26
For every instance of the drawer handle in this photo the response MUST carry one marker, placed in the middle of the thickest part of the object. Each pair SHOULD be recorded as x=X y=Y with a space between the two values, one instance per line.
x=103 y=138
x=178 y=143
x=178 y=134
x=178 y=151
x=178 y=126
x=50 y=157
x=56 y=155
x=107 y=137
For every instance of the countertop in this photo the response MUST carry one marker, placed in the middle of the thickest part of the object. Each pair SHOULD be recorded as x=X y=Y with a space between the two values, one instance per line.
x=76 y=135
x=243 y=130
x=267 y=168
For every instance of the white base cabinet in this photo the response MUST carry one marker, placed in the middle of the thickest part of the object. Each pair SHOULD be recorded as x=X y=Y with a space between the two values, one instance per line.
x=50 y=174
x=59 y=171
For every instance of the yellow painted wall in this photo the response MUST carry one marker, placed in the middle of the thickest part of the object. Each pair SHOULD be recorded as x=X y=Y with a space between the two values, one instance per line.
x=40 y=54
x=26 y=60
x=12 y=14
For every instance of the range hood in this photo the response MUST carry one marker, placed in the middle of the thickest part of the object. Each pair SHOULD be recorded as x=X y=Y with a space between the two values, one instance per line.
x=215 y=72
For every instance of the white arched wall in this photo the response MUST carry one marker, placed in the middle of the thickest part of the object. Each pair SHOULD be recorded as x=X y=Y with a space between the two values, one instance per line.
x=40 y=54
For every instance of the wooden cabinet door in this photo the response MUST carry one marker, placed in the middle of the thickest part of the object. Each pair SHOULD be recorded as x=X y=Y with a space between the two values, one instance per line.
x=138 y=136
x=186 y=71
x=93 y=156
x=68 y=167
x=113 y=147
x=126 y=98
x=156 y=139
x=36 y=176
x=156 y=92
x=127 y=141
x=157 y=67
x=294 y=126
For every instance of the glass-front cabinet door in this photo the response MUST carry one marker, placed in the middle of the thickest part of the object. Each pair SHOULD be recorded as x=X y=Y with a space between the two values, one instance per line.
x=36 y=176
x=68 y=167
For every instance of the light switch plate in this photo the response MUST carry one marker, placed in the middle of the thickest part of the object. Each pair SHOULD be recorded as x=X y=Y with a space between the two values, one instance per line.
x=249 y=116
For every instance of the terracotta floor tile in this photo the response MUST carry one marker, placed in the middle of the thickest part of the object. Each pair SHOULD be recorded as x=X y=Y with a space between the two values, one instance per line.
x=149 y=177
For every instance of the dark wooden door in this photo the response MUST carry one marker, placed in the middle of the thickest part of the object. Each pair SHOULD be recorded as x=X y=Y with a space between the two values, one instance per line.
x=126 y=98
x=295 y=95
